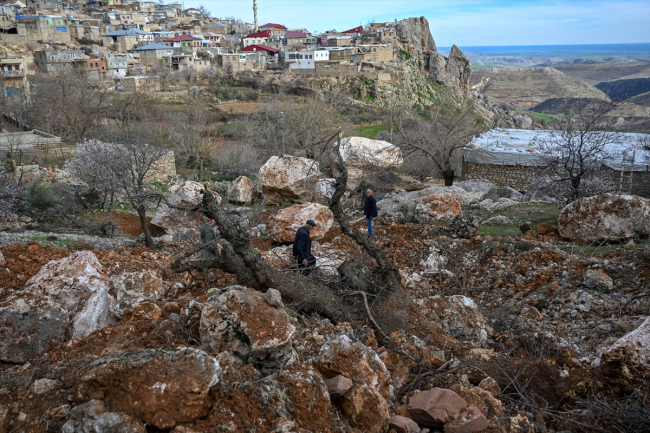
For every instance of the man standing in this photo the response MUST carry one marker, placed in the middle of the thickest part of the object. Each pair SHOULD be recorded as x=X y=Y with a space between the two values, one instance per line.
x=302 y=248
x=370 y=211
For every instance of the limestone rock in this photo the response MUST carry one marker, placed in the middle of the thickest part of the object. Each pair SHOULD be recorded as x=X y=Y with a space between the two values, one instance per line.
x=464 y=226
x=45 y=386
x=597 y=280
x=241 y=322
x=479 y=189
x=146 y=310
x=404 y=203
x=363 y=155
x=289 y=179
x=341 y=355
x=28 y=324
x=241 y=190
x=487 y=403
x=273 y=298
x=402 y=424
x=510 y=193
x=521 y=424
x=366 y=409
x=453 y=71
x=130 y=288
x=160 y=387
x=435 y=407
x=605 y=217
x=523 y=122
x=282 y=226
x=459 y=316
x=416 y=34
x=3 y=262
x=326 y=187
x=497 y=220
x=175 y=221
x=436 y=207
x=636 y=344
x=491 y=385
x=338 y=386
x=469 y=421
x=93 y=417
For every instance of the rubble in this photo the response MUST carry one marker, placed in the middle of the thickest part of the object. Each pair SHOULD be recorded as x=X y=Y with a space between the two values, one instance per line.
x=338 y=386
x=597 y=280
x=605 y=217
x=93 y=416
x=289 y=179
x=437 y=207
x=435 y=407
x=636 y=344
x=130 y=288
x=464 y=226
x=402 y=424
x=282 y=226
x=470 y=420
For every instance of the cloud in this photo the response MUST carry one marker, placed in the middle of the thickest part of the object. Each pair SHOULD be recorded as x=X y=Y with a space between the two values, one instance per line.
x=464 y=22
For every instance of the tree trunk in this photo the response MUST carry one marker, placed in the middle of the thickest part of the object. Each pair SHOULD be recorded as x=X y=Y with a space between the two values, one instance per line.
x=142 y=213
x=448 y=175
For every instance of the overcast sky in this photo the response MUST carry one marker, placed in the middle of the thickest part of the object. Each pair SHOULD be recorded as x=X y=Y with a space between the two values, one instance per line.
x=463 y=22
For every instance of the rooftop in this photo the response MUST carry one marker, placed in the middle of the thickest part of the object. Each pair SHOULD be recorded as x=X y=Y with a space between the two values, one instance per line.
x=262 y=34
x=259 y=47
x=273 y=26
x=182 y=38
x=291 y=34
x=523 y=147
x=154 y=46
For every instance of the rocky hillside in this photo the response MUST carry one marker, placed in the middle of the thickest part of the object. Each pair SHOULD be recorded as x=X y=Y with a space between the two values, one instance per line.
x=623 y=89
x=528 y=87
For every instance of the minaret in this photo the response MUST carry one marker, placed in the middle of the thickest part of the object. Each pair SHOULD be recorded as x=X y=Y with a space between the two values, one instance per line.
x=255 y=13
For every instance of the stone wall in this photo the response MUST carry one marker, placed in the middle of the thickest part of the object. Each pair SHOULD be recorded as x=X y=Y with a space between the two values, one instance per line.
x=163 y=169
x=515 y=176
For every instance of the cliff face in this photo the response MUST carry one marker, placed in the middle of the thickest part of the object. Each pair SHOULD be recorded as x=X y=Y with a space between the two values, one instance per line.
x=453 y=71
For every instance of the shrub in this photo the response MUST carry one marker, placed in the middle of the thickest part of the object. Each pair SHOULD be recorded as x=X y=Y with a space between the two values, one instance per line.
x=41 y=196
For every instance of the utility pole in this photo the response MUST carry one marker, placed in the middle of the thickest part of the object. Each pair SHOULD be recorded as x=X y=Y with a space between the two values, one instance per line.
x=255 y=14
x=282 y=113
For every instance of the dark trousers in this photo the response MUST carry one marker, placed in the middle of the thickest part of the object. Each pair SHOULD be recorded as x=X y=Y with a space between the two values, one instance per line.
x=305 y=269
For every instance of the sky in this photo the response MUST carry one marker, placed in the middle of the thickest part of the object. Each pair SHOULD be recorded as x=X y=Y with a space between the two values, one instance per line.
x=462 y=22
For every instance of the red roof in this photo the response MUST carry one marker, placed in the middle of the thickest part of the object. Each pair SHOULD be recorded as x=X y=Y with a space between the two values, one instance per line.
x=292 y=34
x=181 y=38
x=259 y=47
x=264 y=34
x=275 y=26
x=355 y=30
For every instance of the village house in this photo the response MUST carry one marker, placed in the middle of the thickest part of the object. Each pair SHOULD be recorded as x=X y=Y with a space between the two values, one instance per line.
x=145 y=6
x=39 y=28
x=513 y=157
x=277 y=30
x=120 y=40
x=305 y=59
x=184 y=62
x=187 y=43
x=153 y=54
x=296 y=38
x=258 y=38
x=13 y=73
x=139 y=83
x=192 y=13
x=57 y=61
x=213 y=37
x=243 y=61
x=117 y=64
x=354 y=32
x=271 y=53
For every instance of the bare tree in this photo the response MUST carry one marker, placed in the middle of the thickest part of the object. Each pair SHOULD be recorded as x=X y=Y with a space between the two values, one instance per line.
x=578 y=147
x=204 y=11
x=229 y=69
x=70 y=104
x=193 y=139
x=439 y=138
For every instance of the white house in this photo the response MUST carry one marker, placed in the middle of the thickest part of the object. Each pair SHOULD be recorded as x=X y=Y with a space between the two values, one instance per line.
x=305 y=59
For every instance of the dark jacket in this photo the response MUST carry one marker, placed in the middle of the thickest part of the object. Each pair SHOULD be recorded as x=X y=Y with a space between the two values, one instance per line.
x=207 y=233
x=370 y=208
x=302 y=245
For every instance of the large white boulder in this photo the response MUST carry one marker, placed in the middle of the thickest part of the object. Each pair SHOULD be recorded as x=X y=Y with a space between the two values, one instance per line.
x=605 y=217
x=241 y=190
x=402 y=206
x=282 y=226
x=175 y=221
x=362 y=154
x=436 y=207
x=131 y=288
x=479 y=189
x=289 y=179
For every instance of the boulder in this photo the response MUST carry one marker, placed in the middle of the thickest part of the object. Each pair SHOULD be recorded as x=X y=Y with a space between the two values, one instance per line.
x=45 y=386
x=491 y=385
x=522 y=121
x=273 y=298
x=130 y=288
x=326 y=187
x=479 y=189
x=487 y=403
x=366 y=409
x=28 y=324
x=402 y=424
x=79 y=284
x=289 y=179
x=605 y=217
x=282 y=226
x=469 y=421
x=597 y=280
x=93 y=417
x=459 y=316
x=241 y=322
x=497 y=220
x=510 y=193
x=364 y=155
x=636 y=344
x=400 y=206
x=3 y=262
x=160 y=387
x=175 y=221
x=241 y=190
x=338 y=386
x=341 y=355
x=436 y=207
x=435 y=407
x=464 y=226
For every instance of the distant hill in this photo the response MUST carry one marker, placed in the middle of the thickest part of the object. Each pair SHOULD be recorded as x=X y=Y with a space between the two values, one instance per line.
x=594 y=74
x=528 y=87
x=558 y=105
x=621 y=89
